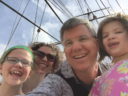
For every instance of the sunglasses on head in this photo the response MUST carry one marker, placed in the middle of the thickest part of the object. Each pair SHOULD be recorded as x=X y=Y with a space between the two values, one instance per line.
x=41 y=54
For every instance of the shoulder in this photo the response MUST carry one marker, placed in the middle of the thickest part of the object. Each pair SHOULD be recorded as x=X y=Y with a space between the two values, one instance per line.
x=66 y=70
x=52 y=85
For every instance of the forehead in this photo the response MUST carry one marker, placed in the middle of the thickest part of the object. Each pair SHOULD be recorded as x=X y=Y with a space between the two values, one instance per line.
x=45 y=49
x=113 y=26
x=20 y=53
x=77 y=31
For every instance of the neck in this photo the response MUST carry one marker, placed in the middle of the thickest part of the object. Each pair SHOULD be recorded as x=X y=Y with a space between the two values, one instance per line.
x=32 y=82
x=119 y=58
x=9 y=90
x=87 y=76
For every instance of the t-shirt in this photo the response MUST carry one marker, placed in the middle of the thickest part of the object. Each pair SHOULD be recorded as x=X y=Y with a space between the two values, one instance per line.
x=112 y=83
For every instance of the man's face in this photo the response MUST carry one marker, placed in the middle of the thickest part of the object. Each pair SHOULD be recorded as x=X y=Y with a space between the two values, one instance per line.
x=43 y=64
x=80 y=47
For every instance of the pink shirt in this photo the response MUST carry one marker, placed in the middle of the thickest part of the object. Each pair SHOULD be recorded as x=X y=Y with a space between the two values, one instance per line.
x=112 y=83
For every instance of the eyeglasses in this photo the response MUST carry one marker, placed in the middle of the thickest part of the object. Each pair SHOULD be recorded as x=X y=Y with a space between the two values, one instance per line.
x=41 y=55
x=14 y=60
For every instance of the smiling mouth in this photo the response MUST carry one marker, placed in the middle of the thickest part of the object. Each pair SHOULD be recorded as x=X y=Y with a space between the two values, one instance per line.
x=43 y=65
x=80 y=56
x=112 y=45
x=16 y=73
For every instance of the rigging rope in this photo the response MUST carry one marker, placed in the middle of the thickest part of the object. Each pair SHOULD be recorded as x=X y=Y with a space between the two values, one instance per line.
x=110 y=6
x=105 y=6
x=119 y=6
x=41 y=21
x=91 y=12
x=61 y=8
x=65 y=8
x=100 y=7
x=35 y=21
x=14 y=28
x=80 y=6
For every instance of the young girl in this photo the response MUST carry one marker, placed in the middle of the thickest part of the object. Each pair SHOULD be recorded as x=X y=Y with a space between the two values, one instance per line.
x=15 y=67
x=113 y=37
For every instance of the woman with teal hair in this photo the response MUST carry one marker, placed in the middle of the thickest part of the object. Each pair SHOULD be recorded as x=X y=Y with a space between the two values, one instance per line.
x=15 y=67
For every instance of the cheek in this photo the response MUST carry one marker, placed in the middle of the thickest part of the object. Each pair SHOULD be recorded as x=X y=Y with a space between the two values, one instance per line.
x=67 y=52
x=5 y=70
x=50 y=64
x=105 y=44
x=27 y=71
x=5 y=67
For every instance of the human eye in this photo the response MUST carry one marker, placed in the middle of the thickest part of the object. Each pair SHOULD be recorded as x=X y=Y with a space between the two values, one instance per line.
x=51 y=57
x=104 y=36
x=67 y=43
x=12 y=60
x=26 y=62
x=83 y=38
x=118 y=32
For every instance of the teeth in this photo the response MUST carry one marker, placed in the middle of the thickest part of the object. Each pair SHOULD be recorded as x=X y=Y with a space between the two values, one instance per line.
x=112 y=44
x=16 y=73
x=79 y=56
x=44 y=64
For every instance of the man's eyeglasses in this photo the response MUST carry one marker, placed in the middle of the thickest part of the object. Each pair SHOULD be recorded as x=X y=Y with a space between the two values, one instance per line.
x=41 y=54
x=14 y=60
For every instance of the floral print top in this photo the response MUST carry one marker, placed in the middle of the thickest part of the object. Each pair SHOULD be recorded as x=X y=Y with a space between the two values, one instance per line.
x=112 y=83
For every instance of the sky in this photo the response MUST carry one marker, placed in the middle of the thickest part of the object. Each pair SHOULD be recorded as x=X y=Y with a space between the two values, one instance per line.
x=10 y=22
x=24 y=32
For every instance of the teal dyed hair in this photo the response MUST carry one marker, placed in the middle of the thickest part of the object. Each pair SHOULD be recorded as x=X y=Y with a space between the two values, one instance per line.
x=15 y=47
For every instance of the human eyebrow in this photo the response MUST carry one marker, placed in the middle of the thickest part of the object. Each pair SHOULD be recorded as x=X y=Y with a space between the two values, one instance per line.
x=67 y=42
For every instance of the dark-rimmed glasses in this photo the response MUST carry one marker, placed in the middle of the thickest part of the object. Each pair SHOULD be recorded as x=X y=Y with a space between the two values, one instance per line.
x=41 y=55
x=14 y=60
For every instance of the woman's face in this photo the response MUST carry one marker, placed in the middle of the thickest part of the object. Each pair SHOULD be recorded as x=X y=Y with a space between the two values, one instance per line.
x=44 y=64
x=13 y=71
x=115 y=39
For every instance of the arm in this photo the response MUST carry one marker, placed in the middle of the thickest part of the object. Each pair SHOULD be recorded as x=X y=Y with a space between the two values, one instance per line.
x=52 y=85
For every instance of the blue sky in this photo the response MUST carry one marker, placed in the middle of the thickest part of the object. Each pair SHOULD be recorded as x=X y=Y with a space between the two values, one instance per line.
x=23 y=33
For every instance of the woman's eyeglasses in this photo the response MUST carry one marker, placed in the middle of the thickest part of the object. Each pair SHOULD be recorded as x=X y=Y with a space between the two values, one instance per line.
x=41 y=55
x=14 y=60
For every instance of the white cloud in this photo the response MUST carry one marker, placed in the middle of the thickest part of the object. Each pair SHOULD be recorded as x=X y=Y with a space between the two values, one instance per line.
x=41 y=37
x=73 y=8
x=51 y=26
x=41 y=5
x=44 y=37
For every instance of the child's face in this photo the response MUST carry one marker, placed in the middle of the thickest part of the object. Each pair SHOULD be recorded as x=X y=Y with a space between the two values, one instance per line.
x=13 y=72
x=115 y=39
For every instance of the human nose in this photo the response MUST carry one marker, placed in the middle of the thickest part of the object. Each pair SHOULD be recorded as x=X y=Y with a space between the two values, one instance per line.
x=45 y=58
x=111 y=36
x=76 y=46
x=19 y=64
